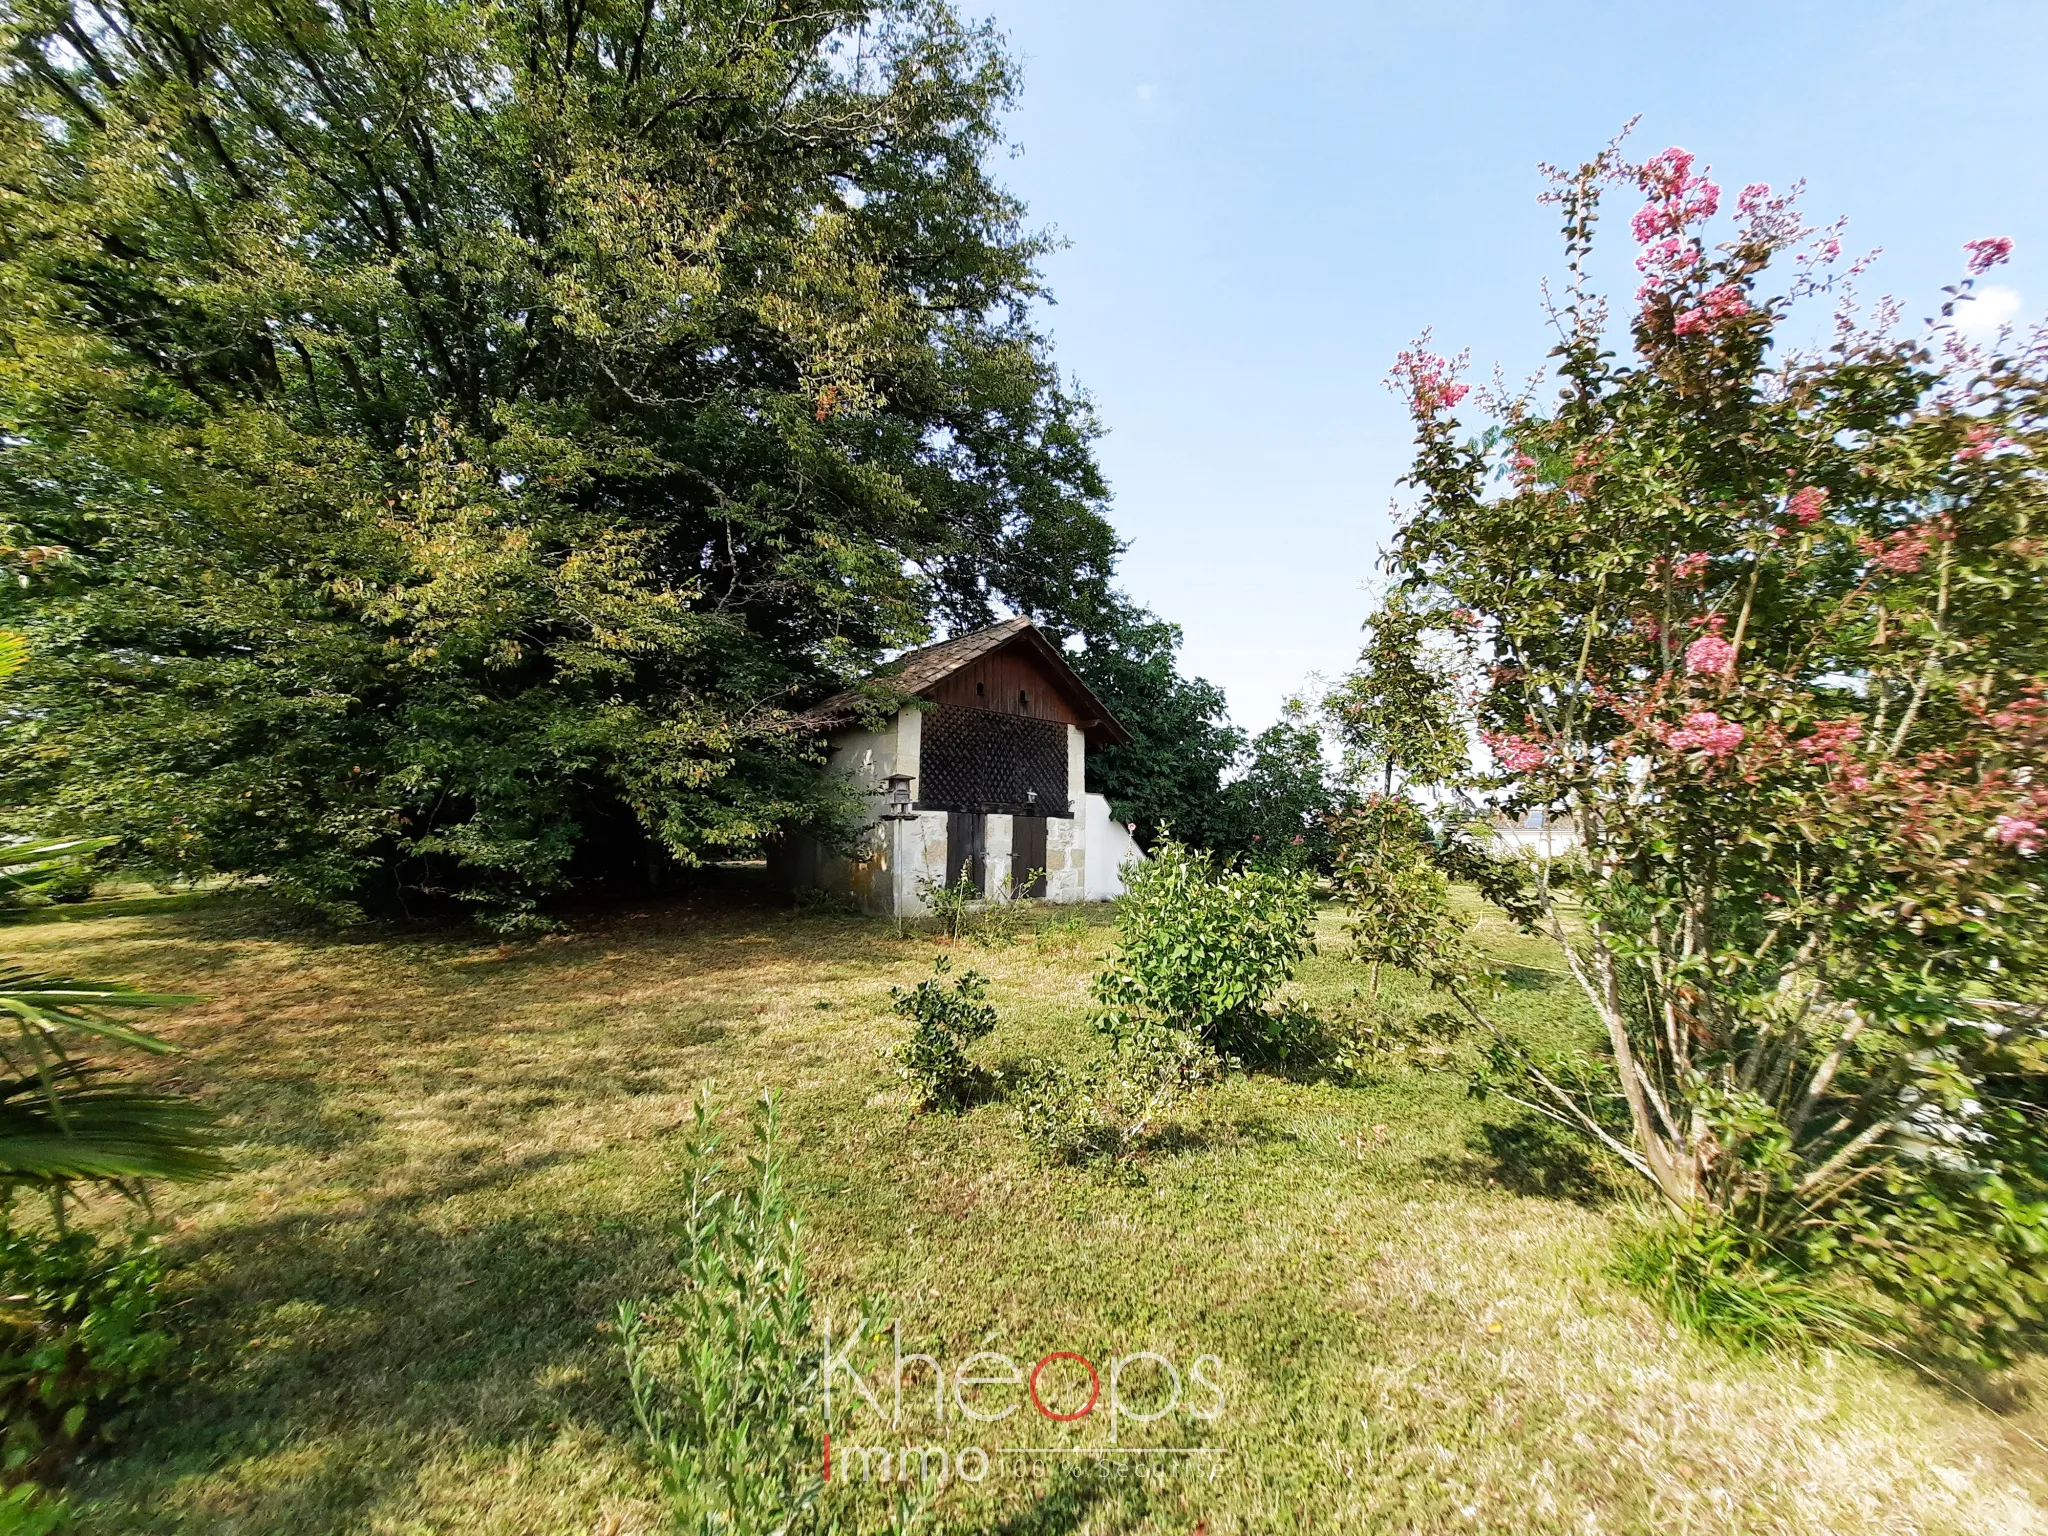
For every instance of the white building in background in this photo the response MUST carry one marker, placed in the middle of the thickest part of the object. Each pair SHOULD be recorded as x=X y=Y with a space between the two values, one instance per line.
x=982 y=773
x=1535 y=835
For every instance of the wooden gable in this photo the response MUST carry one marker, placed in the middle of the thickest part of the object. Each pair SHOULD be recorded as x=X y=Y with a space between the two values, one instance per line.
x=1012 y=681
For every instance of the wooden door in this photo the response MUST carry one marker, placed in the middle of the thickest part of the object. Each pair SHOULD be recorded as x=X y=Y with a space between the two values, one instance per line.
x=1027 y=855
x=967 y=849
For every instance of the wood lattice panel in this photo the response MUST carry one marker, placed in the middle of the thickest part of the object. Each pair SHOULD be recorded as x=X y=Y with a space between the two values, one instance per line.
x=976 y=760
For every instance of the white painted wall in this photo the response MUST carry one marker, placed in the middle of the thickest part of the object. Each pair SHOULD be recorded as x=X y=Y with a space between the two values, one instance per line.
x=1110 y=848
x=1084 y=852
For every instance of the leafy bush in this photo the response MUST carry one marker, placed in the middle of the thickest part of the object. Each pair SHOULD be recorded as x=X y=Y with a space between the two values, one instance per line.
x=1716 y=1280
x=1203 y=949
x=1111 y=1112
x=945 y=1020
x=950 y=905
x=48 y=871
x=26 y=1510
x=725 y=1370
x=1765 y=632
x=721 y=1369
x=78 y=1340
x=1055 y=1109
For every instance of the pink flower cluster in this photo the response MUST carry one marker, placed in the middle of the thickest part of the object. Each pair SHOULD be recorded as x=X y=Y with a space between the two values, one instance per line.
x=1428 y=379
x=1703 y=731
x=1983 y=440
x=1686 y=567
x=1716 y=304
x=1517 y=754
x=1669 y=257
x=1904 y=552
x=1710 y=656
x=1677 y=197
x=1805 y=505
x=1986 y=254
x=2021 y=832
x=1832 y=744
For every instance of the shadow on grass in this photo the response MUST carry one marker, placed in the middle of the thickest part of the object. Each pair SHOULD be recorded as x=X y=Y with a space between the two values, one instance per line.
x=379 y=1336
x=1533 y=1156
x=1062 y=1508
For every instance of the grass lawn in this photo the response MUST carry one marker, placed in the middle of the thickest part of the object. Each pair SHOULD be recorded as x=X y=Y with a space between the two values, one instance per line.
x=455 y=1157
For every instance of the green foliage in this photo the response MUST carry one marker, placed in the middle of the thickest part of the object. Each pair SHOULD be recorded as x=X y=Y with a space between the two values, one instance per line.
x=1393 y=871
x=26 y=1510
x=455 y=440
x=1715 y=1279
x=945 y=1020
x=950 y=906
x=1182 y=742
x=1111 y=1112
x=78 y=1342
x=1278 y=809
x=61 y=1122
x=1764 y=631
x=1397 y=713
x=723 y=1369
x=45 y=871
x=1202 y=950
x=1055 y=1107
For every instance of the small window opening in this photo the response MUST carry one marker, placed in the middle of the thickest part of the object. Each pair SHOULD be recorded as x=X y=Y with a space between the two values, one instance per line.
x=980 y=689
x=1023 y=697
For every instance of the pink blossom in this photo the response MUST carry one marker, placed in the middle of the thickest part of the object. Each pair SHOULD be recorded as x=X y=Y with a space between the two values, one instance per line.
x=1805 y=505
x=1709 y=656
x=1983 y=440
x=1677 y=197
x=1703 y=731
x=1689 y=566
x=1902 y=552
x=1428 y=379
x=1722 y=303
x=2021 y=832
x=1986 y=254
x=1754 y=199
x=1517 y=754
x=1667 y=257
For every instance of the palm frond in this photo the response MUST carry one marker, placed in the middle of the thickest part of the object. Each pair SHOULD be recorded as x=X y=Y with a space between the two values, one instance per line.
x=57 y=1003
x=82 y=1133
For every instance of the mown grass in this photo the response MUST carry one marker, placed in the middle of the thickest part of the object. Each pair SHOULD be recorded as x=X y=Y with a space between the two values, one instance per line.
x=455 y=1156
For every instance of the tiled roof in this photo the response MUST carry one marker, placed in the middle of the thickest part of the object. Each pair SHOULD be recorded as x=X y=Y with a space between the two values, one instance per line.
x=915 y=671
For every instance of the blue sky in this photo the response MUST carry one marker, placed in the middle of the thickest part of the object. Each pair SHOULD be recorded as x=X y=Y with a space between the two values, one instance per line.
x=1263 y=203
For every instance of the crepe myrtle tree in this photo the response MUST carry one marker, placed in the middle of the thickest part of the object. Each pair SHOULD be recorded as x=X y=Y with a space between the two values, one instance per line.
x=1767 y=628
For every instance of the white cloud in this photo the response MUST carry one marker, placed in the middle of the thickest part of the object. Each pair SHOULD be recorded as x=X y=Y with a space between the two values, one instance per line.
x=1987 y=310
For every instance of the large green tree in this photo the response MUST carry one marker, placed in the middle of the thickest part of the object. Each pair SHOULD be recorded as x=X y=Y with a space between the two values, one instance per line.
x=1169 y=775
x=456 y=435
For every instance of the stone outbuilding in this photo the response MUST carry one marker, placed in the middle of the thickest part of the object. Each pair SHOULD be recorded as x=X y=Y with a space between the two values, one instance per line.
x=981 y=774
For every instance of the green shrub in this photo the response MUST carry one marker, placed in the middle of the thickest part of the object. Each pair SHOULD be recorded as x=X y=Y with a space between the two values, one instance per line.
x=949 y=905
x=26 y=1510
x=1714 y=1278
x=1112 y=1111
x=1055 y=1109
x=720 y=1369
x=724 y=1371
x=78 y=1342
x=945 y=1021
x=1202 y=949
